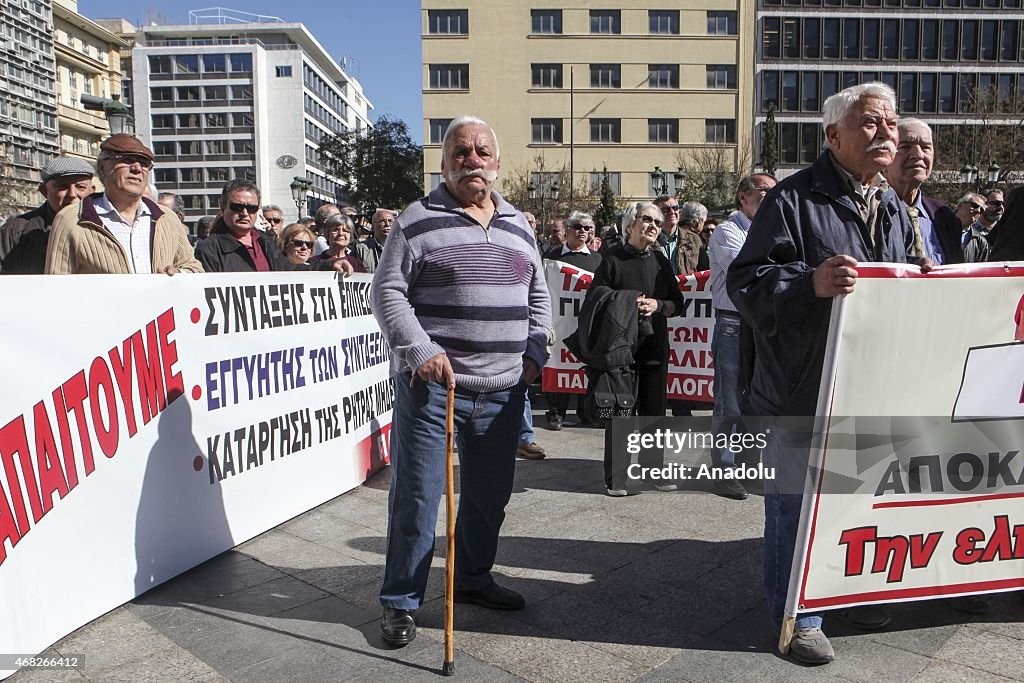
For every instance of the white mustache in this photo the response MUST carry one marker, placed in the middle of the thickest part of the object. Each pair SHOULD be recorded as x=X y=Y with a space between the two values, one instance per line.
x=887 y=145
x=489 y=176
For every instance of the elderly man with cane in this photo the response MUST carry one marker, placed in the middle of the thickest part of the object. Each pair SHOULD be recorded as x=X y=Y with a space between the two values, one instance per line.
x=459 y=293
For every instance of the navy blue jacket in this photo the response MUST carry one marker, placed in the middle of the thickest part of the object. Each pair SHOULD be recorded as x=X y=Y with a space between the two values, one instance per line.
x=805 y=220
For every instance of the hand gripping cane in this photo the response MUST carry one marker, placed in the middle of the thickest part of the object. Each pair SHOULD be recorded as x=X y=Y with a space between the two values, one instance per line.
x=449 y=566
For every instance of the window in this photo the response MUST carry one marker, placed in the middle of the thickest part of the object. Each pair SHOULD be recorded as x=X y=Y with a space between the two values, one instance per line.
x=242 y=119
x=161 y=121
x=891 y=39
x=161 y=94
x=789 y=148
x=163 y=149
x=449 y=76
x=662 y=75
x=437 y=130
x=546 y=75
x=165 y=176
x=214 y=147
x=1008 y=41
x=911 y=50
x=927 y=101
x=809 y=144
x=790 y=91
x=215 y=64
x=770 y=90
x=722 y=23
x=908 y=93
x=605 y=130
x=969 y=41
x=812 y=38
x=241 y=92
x=243 y=147
x=215 y=93
x=872 y=34
x=217 y=175
x=663 y=21
x=605 y=21
x=721 y=76
x=159 y=64
x=851 y=39
x=186 y=64
x=605 y=75
x=989 y=40
x=188 y=93
x=663 y=130
x=448 y=21
x=720 y=131
x=810 y=91
x=188 y=120
x=191 y=175
x=771 y=43
x=190 y=148
x=284 y=71
x=546 y=21
x=830 y=43
x=241 y=63
x=546 y=130
x=930 y=40
x=216 y=120
x=791 y=38
x=435 y=181
x=614 y=181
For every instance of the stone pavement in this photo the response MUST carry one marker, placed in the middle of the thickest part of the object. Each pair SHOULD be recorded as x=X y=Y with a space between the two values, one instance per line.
x=656 y=586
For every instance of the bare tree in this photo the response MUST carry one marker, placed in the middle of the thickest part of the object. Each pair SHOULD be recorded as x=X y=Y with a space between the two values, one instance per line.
x=712 y=171
x=515 y=188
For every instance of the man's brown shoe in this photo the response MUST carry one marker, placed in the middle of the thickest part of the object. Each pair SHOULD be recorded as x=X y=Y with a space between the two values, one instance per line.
x=530 y=451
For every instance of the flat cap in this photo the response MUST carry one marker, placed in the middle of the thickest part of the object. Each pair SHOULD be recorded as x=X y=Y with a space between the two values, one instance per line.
x=123 y=143
x=62 y=167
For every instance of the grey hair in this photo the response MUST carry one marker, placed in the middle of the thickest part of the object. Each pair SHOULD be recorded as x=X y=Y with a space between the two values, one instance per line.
x=341 y=219
x=179 y=205
x=379 y=210
x=966 y=199
x=577 y=217
x=692 y=213
x=462 y=122
x=632 y=211
x=837 y=106
x=748 y=183
x=271 y=207
x=911 y=122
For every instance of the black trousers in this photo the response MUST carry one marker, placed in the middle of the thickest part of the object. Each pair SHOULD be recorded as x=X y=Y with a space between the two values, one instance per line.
x=650 y=402
x=558 y=402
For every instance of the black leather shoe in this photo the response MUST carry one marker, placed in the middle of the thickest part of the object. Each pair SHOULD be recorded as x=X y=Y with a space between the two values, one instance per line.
x=730 y=488
x=397 y=626
x=555 y=421
x=492 y=597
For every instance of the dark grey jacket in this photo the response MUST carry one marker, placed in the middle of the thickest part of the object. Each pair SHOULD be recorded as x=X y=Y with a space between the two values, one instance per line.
x=805 y=220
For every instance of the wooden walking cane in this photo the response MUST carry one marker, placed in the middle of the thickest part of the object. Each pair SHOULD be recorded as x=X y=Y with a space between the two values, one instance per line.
x=449 y=566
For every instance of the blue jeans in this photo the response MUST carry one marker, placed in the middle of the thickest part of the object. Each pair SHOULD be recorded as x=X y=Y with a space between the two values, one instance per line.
x=526 y=434
x=730 y=401
x=788 y=453
x=486 y=427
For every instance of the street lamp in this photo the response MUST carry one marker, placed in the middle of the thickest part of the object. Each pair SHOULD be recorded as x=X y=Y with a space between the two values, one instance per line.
x=548 y=189
x=300 y=188
x=118 y=115
x=971 y=175
x=659 y=181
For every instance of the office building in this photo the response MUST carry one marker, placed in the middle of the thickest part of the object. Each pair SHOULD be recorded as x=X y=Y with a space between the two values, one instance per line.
x=626 y=85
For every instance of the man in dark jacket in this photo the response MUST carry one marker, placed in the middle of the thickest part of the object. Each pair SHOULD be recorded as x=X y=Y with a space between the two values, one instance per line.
x=24 y=238
x=235 y=245
x=936 y=227
x=802 y=250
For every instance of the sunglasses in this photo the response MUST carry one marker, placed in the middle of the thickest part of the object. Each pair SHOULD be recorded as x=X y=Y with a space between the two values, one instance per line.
x=651 y=219
x=995 y=202
x=275 y=220
x=302 y=244
x=670 y=207
x=132 y=159
x=975 y=208
x=239 y=208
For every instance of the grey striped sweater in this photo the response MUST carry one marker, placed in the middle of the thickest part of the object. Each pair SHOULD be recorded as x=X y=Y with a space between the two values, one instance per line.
x=445 y=283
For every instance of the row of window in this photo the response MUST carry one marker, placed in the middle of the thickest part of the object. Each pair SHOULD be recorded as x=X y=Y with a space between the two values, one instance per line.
x=324 y=91
x=173 y=177
x=659 y=76
x=190 y=65
x=609 y=131
x=163 y=123
x=205 y=93
x=602 y=22
x=913 y=40
x=322 y=114
x=194 y=148
x=917 y=93
x=928 y=4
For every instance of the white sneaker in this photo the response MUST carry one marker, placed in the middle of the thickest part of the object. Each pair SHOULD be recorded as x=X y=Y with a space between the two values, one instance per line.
x=811 y=646
x=617 y=493
x=665 y=487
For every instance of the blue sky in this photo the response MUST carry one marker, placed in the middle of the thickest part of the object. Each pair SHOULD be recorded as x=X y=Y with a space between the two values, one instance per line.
x=382 y=36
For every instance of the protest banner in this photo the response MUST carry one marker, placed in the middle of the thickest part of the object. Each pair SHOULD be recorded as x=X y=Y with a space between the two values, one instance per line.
x=150 y=423
x=691 y=369
x=916 y=487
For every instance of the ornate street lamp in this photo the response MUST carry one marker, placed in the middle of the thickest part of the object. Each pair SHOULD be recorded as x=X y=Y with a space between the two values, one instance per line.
x=548 y=190
x=300 y=188
x=993 y=173
x=119 y=116
x=659 y=181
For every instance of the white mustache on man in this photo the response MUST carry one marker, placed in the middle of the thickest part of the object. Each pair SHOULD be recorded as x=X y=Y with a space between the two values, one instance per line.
x=489 y=176
x=887 y=145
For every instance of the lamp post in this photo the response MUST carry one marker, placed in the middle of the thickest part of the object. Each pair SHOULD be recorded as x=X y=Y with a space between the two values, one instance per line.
x=659 y=181
x=118 y=115
x=971 y=176
x=300 y=188
x=548 y=189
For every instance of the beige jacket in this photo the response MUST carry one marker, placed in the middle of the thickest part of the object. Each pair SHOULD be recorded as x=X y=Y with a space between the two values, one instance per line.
x=79 y=243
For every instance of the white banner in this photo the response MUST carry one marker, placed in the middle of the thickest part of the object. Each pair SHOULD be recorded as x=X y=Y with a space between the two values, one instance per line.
x=151 y=423
x=691 y=370
x=921 y=486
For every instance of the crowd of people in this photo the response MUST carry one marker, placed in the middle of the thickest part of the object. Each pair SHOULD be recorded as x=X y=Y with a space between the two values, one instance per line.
x=460 y=295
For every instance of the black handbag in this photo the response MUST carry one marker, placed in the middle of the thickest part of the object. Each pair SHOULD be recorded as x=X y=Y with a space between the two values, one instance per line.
x=610 y=393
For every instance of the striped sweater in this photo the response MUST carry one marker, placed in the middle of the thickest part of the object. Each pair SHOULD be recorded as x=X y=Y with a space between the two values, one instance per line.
x=446 y=284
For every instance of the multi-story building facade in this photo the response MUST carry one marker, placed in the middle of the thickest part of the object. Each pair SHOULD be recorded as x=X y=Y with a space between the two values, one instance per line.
x=28 y=106
x=625 y=85
x=88 y=62
x=219 y=101
x=952 y=63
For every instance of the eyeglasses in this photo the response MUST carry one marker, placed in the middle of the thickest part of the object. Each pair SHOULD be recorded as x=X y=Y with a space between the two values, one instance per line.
x=302 y=244
x=760 y=189
x=239 y=208
x=132 y=159
x=975 y=208
x=995 y=202
x=670 y=207
x=651 y=219
x=707 y=231
x=585 y=228
x=275 y=219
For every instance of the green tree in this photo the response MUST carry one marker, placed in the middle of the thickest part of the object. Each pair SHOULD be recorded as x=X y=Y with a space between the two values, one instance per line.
x=380 y=167
x=607 y=212
x=770 y=142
